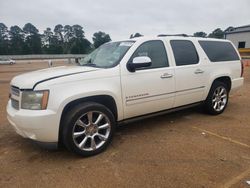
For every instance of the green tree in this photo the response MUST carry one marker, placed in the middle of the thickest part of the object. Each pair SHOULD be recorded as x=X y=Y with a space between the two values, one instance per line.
x=4 y=43
x=68 y=33
x=79 y=44
x=67 y=36
x=100 y=38
x=50 y=42
x=135 y=35
x=58 y=39
x=33 y=43
x=56 y=47
x=47 y=36
x=74 y=40
x=217 y=33
x=77 y=31
x=16 y=40
x=63 y=39
x=200 y=34
x=58 y=30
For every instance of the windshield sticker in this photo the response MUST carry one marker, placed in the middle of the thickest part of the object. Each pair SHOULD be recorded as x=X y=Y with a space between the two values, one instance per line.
x=126 y=43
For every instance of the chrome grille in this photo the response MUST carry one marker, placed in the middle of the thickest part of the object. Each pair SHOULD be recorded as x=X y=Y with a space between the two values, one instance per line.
x=15 y=104
x=15 y=91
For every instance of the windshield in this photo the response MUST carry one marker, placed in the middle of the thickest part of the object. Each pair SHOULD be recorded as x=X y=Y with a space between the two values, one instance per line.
x=107 y=55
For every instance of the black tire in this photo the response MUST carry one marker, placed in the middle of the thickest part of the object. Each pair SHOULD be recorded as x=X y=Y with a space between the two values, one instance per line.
x=209 y=103
x=81 y=111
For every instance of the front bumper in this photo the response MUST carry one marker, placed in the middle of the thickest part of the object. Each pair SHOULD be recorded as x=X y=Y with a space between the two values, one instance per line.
x=38 y=125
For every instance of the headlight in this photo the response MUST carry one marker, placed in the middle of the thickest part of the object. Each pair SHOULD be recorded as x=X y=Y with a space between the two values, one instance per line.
x=34 y=100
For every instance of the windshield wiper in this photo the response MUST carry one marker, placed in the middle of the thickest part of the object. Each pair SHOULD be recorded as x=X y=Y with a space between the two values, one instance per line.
x=89 y=63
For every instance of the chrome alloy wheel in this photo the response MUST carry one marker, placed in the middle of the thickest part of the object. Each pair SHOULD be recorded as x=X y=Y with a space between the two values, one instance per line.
x=91 y=130
x=219 y=98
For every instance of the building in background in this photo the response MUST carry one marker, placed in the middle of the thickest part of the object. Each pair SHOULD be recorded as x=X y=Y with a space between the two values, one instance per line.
x=240 y=36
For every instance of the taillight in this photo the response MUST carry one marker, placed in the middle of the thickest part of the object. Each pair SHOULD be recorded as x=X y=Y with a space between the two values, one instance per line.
x=242 y=68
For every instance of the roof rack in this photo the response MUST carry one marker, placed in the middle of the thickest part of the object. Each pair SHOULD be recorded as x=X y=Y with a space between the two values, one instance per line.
x=167 y=35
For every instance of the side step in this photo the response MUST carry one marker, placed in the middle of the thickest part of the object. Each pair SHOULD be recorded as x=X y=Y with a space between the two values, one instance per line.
x=138 y=118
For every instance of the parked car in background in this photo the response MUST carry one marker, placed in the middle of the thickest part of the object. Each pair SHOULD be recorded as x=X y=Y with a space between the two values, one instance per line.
x=4 y=61
x=120 y=82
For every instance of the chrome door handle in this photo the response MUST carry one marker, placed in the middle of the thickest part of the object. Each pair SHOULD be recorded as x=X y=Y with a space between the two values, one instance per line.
x=166 y=75
x=198 y=71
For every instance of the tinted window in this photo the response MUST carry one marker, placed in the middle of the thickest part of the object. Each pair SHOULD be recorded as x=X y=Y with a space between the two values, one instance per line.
x=219 y=51
x=184 y=52
x=155 y=50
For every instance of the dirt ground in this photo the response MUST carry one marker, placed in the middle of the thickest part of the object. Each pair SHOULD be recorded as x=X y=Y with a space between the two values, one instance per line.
x=182 y=149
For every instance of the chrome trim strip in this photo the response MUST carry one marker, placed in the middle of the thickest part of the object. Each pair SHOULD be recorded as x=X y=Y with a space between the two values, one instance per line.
x=165 y=93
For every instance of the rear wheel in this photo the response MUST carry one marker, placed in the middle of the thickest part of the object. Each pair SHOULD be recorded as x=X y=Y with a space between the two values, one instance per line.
x=88 y=129
x=217 y=99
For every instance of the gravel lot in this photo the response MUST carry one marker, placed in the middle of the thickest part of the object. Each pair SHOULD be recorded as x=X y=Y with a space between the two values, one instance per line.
x=182 y=149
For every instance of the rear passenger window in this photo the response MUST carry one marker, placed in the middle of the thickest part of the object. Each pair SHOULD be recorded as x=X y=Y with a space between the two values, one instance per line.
x=219 y=51
x=184 y=52
x=155 y=50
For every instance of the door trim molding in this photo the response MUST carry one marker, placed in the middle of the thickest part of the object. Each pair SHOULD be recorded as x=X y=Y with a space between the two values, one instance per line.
x=157 y=95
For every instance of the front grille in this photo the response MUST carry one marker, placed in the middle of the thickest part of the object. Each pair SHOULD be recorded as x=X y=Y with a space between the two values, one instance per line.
x=15 y=104
x=15 y=91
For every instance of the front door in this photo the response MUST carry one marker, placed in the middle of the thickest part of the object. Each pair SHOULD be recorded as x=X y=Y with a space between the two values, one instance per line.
x=149 y=89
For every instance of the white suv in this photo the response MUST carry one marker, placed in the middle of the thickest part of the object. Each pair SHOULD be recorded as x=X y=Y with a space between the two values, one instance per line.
x=119 y=82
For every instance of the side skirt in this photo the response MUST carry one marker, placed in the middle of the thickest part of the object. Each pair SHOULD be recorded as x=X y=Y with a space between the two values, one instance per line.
x=138 y=118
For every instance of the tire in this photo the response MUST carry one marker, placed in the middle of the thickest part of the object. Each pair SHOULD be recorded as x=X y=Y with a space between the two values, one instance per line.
x=217 y=98
x=88 y=129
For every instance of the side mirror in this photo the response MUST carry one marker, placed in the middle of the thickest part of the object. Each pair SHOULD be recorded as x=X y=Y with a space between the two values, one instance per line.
x=139 y=62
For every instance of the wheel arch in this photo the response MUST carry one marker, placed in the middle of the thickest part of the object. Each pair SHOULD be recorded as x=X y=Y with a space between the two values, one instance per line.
x=224 y=79
x=105 y=100
x=221 y=78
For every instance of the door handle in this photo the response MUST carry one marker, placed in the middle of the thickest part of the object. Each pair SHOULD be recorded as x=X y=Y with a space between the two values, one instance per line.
x=166 y=75
x=198 y=71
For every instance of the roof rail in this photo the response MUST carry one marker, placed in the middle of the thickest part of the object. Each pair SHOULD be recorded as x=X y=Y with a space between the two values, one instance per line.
x=167 y=35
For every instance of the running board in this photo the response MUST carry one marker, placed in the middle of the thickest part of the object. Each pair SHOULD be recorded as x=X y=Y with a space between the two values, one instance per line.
x=139 y=118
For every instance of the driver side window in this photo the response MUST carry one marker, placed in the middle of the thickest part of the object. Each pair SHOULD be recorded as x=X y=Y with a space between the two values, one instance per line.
x=156 y=51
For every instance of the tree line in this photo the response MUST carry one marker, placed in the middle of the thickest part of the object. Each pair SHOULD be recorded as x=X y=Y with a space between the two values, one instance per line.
x=65 y=39
x=217 y=33
x=61 y=40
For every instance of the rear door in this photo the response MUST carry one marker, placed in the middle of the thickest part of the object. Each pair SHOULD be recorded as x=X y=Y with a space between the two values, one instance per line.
x=189 y=75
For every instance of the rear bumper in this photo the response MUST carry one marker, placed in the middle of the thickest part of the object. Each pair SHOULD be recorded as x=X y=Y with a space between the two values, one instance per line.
x=236 y=84
x=38 y=125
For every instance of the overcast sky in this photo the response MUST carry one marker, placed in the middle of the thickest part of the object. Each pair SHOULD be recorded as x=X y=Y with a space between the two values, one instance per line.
x=120 y=18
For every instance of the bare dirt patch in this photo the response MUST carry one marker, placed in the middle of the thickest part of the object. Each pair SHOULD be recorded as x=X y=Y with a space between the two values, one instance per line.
x=182 y=149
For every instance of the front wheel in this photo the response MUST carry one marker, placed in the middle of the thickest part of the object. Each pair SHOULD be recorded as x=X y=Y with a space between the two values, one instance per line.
x=217 y=99
x=88 y=128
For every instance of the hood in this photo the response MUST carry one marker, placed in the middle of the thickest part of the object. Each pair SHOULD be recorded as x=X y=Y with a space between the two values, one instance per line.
x=31 y=79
